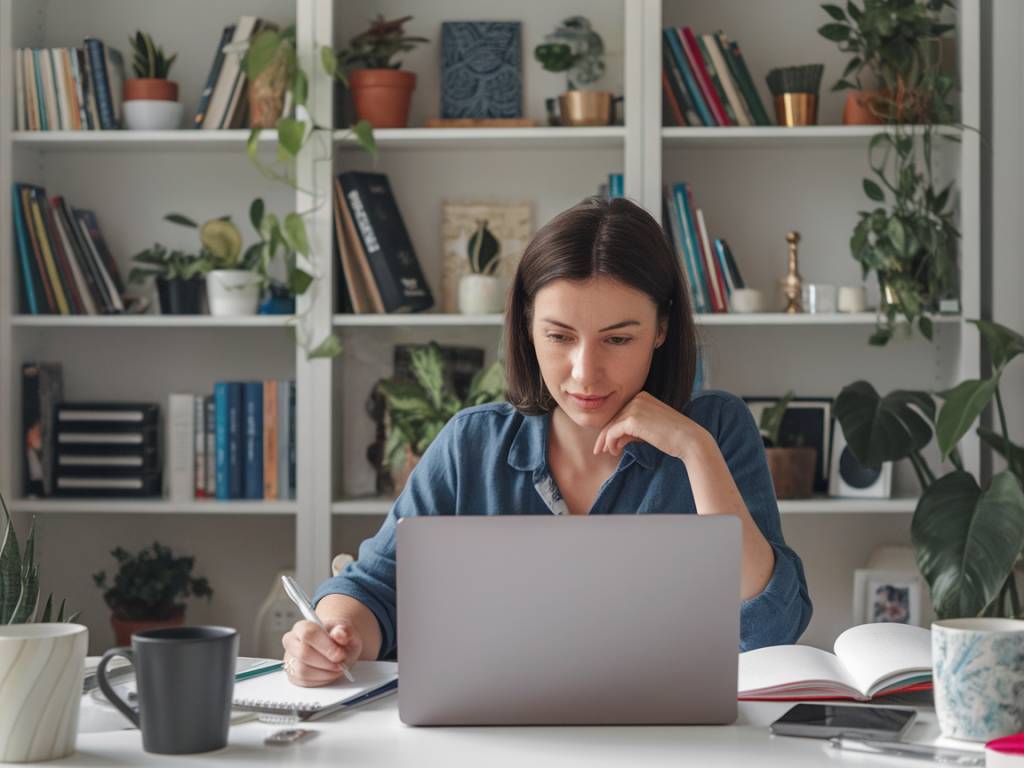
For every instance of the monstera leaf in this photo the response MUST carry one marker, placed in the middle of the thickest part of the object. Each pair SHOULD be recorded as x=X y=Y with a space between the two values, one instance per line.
x=880 y=429
x=967 y=540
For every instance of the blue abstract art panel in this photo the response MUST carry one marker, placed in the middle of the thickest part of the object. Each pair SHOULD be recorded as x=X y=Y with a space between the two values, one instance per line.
x=481 y=69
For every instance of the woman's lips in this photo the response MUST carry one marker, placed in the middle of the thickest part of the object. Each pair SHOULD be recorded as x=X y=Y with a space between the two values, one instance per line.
x=589 y=402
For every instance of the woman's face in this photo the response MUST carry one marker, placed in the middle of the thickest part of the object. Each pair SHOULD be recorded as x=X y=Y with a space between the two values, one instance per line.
x=594 y=341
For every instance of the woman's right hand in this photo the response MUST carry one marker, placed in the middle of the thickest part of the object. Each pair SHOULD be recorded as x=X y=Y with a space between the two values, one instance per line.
x=313 y=655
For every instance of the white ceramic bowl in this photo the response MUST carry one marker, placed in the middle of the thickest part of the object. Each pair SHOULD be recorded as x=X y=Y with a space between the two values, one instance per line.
x=152 y=115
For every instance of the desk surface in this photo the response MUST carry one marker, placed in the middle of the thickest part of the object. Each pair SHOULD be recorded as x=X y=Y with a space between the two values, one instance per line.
x=374 y=736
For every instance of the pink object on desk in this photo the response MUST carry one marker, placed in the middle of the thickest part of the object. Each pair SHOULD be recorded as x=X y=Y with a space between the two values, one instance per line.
x=1013 y=745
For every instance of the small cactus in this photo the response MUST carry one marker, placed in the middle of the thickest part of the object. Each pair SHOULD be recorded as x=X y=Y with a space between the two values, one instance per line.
x=148 y=60
x=483 y=250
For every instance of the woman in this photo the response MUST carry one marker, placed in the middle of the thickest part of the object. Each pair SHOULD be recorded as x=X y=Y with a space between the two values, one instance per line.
x=601 y=358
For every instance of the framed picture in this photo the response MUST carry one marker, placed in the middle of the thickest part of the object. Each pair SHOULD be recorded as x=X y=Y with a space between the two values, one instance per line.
x=807 y=422
x=887 y=596
x=848 y=478
x=510 y=223
x=481 y=69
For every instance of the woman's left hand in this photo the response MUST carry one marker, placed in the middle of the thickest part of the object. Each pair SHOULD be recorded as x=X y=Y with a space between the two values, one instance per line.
x=647 y=419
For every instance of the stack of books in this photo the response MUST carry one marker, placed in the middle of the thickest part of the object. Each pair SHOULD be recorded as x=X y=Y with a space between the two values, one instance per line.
x=379 y=269
x=708 y=265
x=223 y=102
x=68 y=89
x=705 y=82
x=107 y=449
x=238 y=443
x=66 y=267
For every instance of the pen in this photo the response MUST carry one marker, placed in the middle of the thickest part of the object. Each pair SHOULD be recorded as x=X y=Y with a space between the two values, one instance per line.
x=298 y=597
x=944 y=755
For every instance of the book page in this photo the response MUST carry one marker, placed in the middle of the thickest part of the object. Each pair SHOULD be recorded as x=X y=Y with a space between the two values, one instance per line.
x=782 y=667
x=276 y=688
x=882 y=653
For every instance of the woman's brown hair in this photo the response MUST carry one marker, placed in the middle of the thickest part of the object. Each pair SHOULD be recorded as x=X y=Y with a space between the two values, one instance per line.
x=609 y=238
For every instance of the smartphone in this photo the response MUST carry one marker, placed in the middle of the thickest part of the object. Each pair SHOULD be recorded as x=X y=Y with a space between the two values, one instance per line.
x=823 y=721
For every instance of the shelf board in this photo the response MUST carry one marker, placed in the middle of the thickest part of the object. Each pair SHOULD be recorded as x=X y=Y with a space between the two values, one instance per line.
x=150 y=321
x=546 y=137
x=151 y=506
x=425 y=319
x=823 y=505
x=185 y=139
x=760 y=137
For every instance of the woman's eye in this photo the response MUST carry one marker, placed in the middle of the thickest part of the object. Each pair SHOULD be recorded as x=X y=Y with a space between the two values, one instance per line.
x=558 y=338
x=618 y=341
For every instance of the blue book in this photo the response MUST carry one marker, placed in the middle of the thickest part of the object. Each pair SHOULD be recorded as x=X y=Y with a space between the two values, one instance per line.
x=697 y=251
x=675 y=223
x=101 y=85
x=24 y=251
x=211 y=80
x=44 y=122
x=221 y=405
x=236 y=436
x=616 y=185
x=252 y=471
x=689 y=232
x=672 y=39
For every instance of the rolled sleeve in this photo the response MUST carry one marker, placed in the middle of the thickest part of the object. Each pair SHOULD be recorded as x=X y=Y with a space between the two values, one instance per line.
x=430 y=490
x=782 y=610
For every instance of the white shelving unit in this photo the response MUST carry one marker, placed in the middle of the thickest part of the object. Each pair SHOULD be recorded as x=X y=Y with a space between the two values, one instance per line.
x=754 y=184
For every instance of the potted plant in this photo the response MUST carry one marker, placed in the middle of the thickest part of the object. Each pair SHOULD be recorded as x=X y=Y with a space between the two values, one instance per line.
x=178 y=277
x=481 y=291
x=233 y=285
x=380 y=89
x=791 y=466
x=147 y=590
x=150 y=99
x=576 y=49
x=897 y=43
x=417 y=410
x=967 y=538
x=28 y=649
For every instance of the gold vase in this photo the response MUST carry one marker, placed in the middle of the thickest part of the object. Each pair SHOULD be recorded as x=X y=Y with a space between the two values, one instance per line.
x=796 y=109
x=585 y=108
x=792 y=283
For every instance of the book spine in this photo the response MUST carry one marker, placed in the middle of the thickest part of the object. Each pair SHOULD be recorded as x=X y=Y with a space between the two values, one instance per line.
x=48 y=258
x=716 y=82
x=93 y=227
x=717 y=289
x=101 y=84
x=31 y=93
x=114 y=63
x=699 y=293
x=198 y=447
x=737 y=278
x=723 y=268
x=728 y=82
x=291 y=439
x=79 y=91
x=236 y=441
x=211 y=79
x=222 y=439
x=52 y=83
x=92 y=109
x=672 y=37
x=45 y=289
x=180 y=442
x=45 y=115
x=75 y=303
x=253 y=425
x=671 y=115
x=210 y=406
x=83 y=257
x=24 y=258
x=675 y=229
x=283 y=462
x=270 y=490
x=746 y=82
x=20 y=118
x=698 y=252
x=32 y=431
x=74 y=259
x=110 y=290
x=692 y=52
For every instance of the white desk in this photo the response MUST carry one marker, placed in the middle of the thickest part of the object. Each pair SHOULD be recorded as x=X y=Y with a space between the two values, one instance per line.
x=374 y=736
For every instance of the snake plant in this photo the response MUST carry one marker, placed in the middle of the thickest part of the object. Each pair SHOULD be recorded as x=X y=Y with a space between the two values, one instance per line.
x=148 y=60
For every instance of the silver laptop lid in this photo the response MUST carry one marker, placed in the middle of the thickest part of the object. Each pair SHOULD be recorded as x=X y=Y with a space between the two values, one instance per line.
x=618 y=619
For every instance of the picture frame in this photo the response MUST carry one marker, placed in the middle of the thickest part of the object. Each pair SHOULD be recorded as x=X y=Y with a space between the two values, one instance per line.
x=807 y=420
x=510 y=222
x=888 y=596
x=481 y=70
x=848 y=478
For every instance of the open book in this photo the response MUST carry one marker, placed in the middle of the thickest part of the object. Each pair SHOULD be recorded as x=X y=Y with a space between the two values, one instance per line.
x=869 y=660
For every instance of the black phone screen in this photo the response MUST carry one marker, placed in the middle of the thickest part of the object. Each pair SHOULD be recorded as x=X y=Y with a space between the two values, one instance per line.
x=834 y=719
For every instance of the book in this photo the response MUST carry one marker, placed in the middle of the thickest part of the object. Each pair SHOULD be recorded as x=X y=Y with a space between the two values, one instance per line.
x=234 y=487
x=670 y=111
x=252 y=472
x=222 y=482
x=274 y=693
x=716 y=83
x=51 y=90
x=672 y=39
x=218 y=108
x=63 y=259
x=385 y=242
x=270 y=441
x=283 y=425
x=92 y=110
x=70 y=246
x=25 y=256
x=20 y=118
x=95 y=51
x=114 y=62
x=696 y=62
x=83 y=257
x=677 y=84
x=37 y=71
x=680 y=193
x=28 y=70
x=198 y=447
x=723 y=76
x=358 y=282
x=39 y=267
x=210 y=422
x=42 y=387
x=671 y=215
x=211 y=79
x=180 y=431
x=869 y=660
x=60 y=81
x=292 y=439
x=75 y=75
x=104 y=265
x=744 y=79
x=49 y=261
x=719 y=296
x=734 y=271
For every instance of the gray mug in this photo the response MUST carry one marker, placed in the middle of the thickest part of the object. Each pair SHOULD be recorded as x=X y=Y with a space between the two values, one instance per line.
x=185 y=677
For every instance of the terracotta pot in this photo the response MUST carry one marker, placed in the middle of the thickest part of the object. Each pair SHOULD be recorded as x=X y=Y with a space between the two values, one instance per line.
x=125 y=628
x=150 y=89
x=266 y=94
x=862 y=108
x=382 y=96
x=792 y=471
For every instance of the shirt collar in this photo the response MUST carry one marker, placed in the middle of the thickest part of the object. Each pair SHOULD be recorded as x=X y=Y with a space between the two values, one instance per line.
x=529 y=451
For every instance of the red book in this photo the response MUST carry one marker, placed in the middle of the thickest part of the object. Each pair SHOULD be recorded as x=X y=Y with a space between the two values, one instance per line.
x=711 y=264
x=696 y=61
x=670 y=100
x=63 y=262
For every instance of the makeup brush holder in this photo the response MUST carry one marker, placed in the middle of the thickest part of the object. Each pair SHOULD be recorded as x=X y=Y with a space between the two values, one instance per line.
x=796 y=109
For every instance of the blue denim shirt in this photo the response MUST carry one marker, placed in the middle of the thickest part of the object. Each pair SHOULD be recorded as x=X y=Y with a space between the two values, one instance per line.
x=492 y=460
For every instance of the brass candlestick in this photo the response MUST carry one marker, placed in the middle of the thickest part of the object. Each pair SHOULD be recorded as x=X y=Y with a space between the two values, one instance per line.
x=792 y=283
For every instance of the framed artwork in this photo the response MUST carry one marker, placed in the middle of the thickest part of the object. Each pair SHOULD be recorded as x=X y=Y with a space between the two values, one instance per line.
x=806 y=422
x=850 y=479
x=510 y=223
x=481 y=69
x=887 y=596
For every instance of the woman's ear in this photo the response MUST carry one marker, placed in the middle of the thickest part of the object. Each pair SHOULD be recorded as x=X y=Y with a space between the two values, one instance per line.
x=662 y=332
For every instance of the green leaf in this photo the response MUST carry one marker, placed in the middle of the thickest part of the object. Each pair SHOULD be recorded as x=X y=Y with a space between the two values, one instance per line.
x=995 y=441
x=837 y=33
x=298 y=281
x=177 y=218
x=47 y=609
x=290 y=134
x=10 y=568
x=834 y=11
x=300 y=88
x=487 y=385
x=880 y=429
x=963 y=405
x=256 y=209
x=873 y=191
x=294 y=232
x=967 y=541
x=328 y=348
x=262 y=50
x=252 y=144
x=428 y=369
x=924 y=323
x=328 y=60
x=897 y=234
x=1003 y=343
x=363 y=131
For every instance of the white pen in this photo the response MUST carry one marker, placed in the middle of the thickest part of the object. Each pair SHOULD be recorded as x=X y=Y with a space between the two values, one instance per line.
x=297 y=596
x=944 y=755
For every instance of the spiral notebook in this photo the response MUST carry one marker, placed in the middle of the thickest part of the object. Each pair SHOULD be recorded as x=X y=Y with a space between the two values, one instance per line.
x=274 y=694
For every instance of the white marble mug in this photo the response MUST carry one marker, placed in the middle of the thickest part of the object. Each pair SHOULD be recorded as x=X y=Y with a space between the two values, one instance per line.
x=979 y=677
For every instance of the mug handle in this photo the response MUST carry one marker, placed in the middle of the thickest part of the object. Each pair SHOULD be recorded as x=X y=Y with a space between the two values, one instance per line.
x=107 y=688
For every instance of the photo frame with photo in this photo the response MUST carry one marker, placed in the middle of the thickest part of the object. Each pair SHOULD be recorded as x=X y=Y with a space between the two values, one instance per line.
x=510 y=222
x=806 y=422
x=888 y=596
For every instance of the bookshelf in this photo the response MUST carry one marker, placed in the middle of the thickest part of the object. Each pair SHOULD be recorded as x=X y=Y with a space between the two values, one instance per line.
x=753 y=183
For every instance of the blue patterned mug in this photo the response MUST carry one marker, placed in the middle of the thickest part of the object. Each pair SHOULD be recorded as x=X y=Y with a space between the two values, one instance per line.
x=979 y=677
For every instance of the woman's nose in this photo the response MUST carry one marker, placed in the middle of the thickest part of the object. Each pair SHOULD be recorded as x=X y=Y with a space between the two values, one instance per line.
x=586 y=364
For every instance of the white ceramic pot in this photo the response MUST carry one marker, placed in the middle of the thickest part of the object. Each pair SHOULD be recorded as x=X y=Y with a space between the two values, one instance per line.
x=41 y=666
x=152 y=115
x=233 y=292
x=481 y=294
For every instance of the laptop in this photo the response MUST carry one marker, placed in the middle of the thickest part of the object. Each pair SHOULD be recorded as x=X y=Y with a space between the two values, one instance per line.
x=566 y=620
